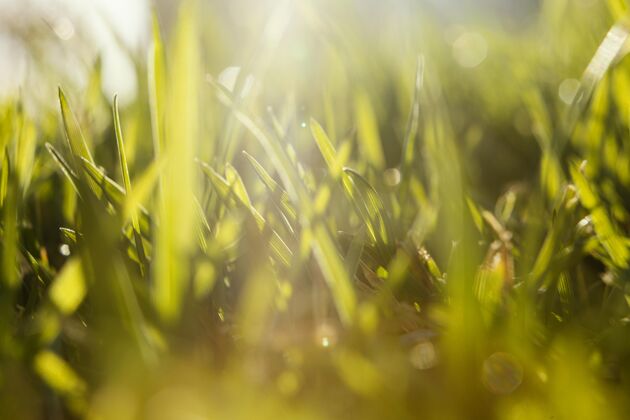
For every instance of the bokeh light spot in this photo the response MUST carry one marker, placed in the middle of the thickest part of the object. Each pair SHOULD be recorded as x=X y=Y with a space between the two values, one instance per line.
x=502 y=373
x=568 y=89
x=470 y=49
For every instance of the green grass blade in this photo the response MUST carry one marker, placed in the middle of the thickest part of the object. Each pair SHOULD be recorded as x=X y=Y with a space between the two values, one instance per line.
x=10 y=232
x=72 y=130
x=156 y=83
x=368 y=134
x=104 y=187
x=371 y=205
x=63 y=165
x=127 y=183
x=175 y=239
x=615 y=243
x=610 y=50
x=278 y=194
x=411 y=131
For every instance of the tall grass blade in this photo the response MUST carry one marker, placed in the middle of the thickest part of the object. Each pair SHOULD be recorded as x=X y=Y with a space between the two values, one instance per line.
x=72 y=130
x=127 y=183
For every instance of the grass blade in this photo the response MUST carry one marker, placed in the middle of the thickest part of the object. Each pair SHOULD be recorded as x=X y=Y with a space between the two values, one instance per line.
x=72 y=130
x=127 y=183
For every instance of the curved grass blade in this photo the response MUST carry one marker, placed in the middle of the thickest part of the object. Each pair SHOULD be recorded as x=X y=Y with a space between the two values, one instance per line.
x=409 y=146
x=616 y=245
x=103 y=186
x=63 y=165
x=359 y=192
x=368 y=135
x=279 y=195
x=609 y=51
x=371 y=205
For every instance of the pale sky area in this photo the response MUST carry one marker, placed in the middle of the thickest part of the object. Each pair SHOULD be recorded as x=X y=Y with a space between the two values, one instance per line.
x=63 y=37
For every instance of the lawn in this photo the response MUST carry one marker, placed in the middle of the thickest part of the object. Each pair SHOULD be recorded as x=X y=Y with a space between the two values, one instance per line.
x=321 y=209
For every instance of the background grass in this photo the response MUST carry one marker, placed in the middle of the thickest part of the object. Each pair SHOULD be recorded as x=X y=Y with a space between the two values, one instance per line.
x=386 y=213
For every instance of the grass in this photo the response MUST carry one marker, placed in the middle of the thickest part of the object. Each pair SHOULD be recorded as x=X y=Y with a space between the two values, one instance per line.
x=365 y=232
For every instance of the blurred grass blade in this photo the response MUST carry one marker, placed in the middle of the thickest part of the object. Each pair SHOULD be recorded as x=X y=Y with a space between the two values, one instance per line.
x=4 y=176
x=335 y=274
x=368 y=134
x=143 y=187
x=411 y=131
x=10 y=231
x=25 y=154
x=58 y=374
x=355 y=250
x=68 y=288
x=610 y=50
x=156 y=83
x=174 y=241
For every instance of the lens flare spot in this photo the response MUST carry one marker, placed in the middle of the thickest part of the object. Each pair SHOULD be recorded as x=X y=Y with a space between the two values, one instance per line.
x=63 y=28
x=568 y=89
x=326 y=335
x=64 y=249
x=392 y=177
x=470 y=49
x=423 y=355
x=502 y=373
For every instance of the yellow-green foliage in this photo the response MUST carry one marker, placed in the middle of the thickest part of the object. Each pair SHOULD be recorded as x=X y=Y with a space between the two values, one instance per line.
x=384 y=215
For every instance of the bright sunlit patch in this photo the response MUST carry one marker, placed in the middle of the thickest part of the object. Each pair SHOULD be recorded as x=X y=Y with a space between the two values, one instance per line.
x=13 y=70
x=568 y=89
x=470 y=49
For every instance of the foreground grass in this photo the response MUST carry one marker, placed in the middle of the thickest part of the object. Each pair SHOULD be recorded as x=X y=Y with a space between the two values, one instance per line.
x=289 y=248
